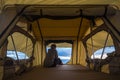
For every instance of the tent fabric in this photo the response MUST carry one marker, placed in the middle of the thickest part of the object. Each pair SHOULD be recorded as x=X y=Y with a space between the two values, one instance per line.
x=61 y=2
x=22 y=41
x=2 y=56
x=99 y=43
x=93 y=42
x=71 y=11
x=47 y=42
x=81 y=55
x=7 y=22
x=14 y=14
x=115 y=23
x=37 y=54
x=25 y=47
x=114 y=20
x=66 y=26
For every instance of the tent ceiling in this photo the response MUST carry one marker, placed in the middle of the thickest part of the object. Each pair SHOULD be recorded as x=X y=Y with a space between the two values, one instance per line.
x=4 y=3
x=60 y=28
x=60 y=2
x=64 y=21
x=53 y=11
x=34 y=12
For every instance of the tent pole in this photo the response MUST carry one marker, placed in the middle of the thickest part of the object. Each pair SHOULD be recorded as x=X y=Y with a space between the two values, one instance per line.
x=78 y=36
x=105 y=19
x=26 y=49
x=11 y=25
x=14 y=48
x=103 y=52
x=72 y=53
x=87 y=57
x=104 y=46
x=92 y=40
x=92 y=47
x=41 y=42
x=26 y=46
x=112 y=27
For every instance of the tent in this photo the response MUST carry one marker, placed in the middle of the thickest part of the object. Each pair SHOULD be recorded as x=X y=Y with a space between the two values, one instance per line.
x=29 y=26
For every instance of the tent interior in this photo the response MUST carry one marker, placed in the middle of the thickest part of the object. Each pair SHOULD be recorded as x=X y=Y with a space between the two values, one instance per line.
x=30 y=29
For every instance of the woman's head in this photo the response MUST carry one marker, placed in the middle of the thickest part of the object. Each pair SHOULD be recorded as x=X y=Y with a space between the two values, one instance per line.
x=53 y=46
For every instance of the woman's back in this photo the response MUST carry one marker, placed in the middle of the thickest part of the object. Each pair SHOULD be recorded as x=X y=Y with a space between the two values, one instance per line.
x=50 y=57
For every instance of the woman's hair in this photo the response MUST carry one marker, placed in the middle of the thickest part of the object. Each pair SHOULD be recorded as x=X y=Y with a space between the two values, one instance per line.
x=53 y=46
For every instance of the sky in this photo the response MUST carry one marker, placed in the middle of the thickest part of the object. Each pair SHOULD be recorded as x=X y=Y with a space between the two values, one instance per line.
x=63 y=53
x=13 y=55
x=107 y=50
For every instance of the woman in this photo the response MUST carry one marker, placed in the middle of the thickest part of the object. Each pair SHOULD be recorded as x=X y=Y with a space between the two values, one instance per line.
x=52 y=59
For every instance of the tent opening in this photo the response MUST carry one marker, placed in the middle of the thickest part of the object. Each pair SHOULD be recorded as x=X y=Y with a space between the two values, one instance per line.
x=21 y=55
x=97 y=54
x=64 y=51
x=97 y=50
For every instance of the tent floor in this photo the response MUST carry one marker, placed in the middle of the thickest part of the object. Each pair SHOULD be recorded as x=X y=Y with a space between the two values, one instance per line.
x=65 y=72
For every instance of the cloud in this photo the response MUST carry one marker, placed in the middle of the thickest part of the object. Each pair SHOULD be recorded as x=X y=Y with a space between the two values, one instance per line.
x=64 y=57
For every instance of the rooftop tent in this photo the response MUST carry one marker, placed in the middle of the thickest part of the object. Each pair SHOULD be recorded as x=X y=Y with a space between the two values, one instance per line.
x=64 y=25
x=43 y=22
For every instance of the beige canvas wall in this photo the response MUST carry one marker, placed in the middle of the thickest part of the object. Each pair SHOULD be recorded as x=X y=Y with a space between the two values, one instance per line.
x=61 y=2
